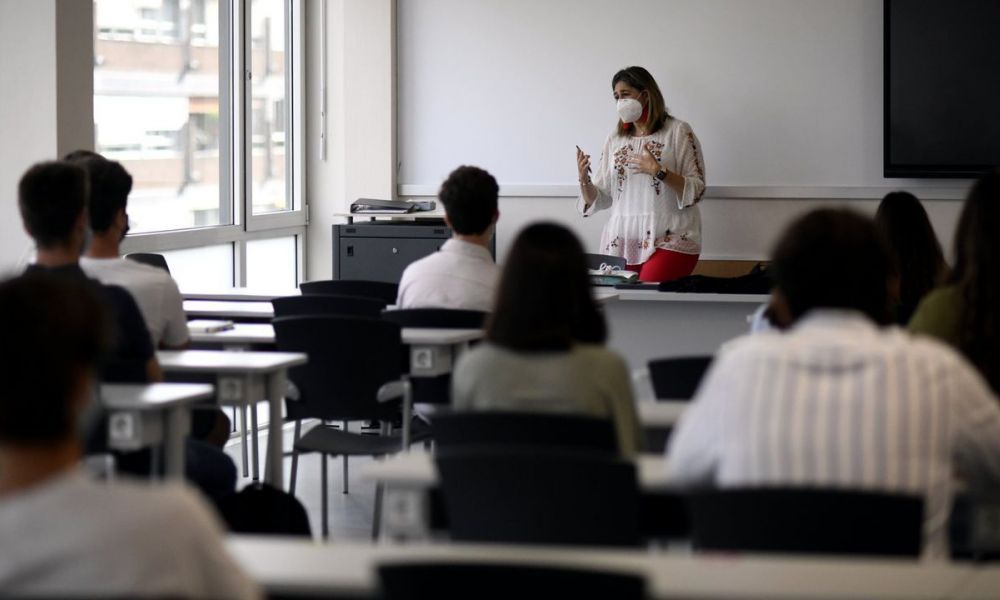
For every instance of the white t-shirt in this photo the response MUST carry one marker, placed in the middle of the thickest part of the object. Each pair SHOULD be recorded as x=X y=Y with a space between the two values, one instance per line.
x=646 y=213
x=75 y=536
x=154 y=290
x=459 y=276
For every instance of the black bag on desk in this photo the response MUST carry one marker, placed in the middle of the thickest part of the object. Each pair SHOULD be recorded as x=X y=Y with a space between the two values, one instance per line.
x=757 y=281
x=261 y=508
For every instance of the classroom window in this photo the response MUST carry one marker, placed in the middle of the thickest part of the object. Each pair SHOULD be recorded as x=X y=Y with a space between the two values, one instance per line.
x=271 y=263
x=200 y=101
x=205 y=268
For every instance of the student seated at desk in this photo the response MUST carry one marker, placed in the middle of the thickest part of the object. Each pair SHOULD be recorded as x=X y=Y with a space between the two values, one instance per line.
x=154 y=290
x=52 y=198
x=62 y=533
x=840 y=400
x=544 y=348
x=462 y=274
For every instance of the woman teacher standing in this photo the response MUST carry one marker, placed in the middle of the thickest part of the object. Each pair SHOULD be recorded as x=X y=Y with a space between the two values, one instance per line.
x=652 y=176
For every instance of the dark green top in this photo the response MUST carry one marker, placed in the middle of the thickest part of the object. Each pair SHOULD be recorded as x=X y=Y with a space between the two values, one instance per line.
x=939 y=315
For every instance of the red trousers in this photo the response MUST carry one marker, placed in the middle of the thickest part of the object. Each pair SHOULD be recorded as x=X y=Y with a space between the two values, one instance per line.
x=665 y=265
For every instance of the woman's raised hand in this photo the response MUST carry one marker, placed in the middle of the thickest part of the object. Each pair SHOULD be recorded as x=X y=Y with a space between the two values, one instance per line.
x=583 y=165
x=645 y=162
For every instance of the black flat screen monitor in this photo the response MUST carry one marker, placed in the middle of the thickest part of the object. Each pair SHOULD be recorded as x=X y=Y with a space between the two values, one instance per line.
x=942 y=87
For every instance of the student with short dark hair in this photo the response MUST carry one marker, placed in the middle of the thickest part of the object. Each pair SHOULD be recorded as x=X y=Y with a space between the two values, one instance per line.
x=916 y=253
x=838 y=400
x=154 y=290
x=62 y=533
x=544 y=348
x=463 y=274
x=966 y=312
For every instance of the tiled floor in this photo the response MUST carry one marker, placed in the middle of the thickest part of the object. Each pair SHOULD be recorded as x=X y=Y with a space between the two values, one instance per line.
x=350 y=514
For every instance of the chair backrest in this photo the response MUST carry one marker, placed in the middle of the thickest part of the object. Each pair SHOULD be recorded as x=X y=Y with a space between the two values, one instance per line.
x=437 y=318
x=460 y=581
x=806 y=520
x=677 y=378
x=516 y=429
x=323 y=304
x=523 y=495
x=382 y=290
x=350 y=358
x=594 y=261
x=149 y=258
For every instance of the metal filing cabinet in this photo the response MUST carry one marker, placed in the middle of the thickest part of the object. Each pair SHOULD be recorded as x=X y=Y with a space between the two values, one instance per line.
x=381 y=250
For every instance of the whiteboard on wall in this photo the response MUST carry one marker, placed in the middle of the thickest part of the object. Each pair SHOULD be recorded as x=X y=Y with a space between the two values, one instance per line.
x=782 y=93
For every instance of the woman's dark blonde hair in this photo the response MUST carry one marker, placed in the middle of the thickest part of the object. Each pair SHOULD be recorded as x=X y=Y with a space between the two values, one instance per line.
x=641 y=80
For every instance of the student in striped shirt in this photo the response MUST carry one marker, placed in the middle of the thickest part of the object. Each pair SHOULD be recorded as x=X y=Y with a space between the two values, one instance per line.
x=839 y=399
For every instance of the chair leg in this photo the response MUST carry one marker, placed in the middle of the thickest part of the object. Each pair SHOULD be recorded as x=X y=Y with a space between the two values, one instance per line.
x=255 y=467
x=377 y=517
x=346 y=484
x=243 y=439
x=295 y=458
x=323 y=497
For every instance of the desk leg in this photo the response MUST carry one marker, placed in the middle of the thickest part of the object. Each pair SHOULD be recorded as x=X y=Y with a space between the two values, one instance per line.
x=178 y=425
x=407 y=412
x=253 y=440
x=273 y=470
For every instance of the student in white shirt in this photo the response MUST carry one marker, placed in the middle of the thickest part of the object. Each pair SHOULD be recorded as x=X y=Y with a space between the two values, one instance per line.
x=61 y=533
x=154 y=290
x=840 y=400
x=462 y=275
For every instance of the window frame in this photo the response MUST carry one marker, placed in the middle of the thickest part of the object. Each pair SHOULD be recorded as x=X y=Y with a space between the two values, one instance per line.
x=240 y=225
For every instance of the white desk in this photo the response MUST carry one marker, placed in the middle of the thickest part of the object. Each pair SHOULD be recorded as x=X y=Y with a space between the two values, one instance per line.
x=240 y=336
x=238 y=294
x=647 y=324
x=158 y=413
x=661 y=414
x=348 y=569
x=244 y=379
x=234 y=310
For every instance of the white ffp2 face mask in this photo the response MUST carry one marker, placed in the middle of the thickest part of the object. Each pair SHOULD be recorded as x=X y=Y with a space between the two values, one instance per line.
x=629 y=110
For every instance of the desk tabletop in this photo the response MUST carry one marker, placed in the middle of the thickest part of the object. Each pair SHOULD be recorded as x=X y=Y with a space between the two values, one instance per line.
x=263 y=333
x=657 y=296
x=283 y=565
x=417 y=469
x=416 y=336
x=238 y=294
x=220 y=361
x=153 y=396
x=661 y=413
x=223 y=309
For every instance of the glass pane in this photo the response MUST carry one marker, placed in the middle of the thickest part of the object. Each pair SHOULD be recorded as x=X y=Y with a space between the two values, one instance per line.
x=156 y=107
x=271 y=264
x=269 y=107
x=205 y=268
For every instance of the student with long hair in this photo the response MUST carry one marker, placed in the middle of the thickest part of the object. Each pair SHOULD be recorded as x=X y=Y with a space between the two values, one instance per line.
x=544 y=348
x=966 y=313
x=915 y=250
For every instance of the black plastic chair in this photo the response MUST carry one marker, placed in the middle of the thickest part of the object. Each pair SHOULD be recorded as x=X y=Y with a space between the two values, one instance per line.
x=437 y=318
x=594 y=261
x=149 y=258
x=678 y=378
x=492 y=581
x=327 y=305
x=457 y=430
x=351 y=359
x=807 y=521
x=527 y=496
x=387 y=292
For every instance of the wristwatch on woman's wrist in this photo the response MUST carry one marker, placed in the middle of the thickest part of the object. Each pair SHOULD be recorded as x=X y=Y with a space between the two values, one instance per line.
x=661 y=175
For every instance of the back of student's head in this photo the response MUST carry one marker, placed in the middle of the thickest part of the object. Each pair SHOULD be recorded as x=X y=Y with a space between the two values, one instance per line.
x=833 y=258
x=110 y=185
x=52 y=197
x=544 y=300
x=469 y=196
x=54 y=335
x=914 y=247
x=977 y=273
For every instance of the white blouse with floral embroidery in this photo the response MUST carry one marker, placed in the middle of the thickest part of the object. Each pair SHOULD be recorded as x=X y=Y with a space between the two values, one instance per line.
x=646 y=213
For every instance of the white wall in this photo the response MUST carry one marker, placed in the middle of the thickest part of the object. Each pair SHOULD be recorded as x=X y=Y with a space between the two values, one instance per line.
x=360 y=126
x=46 y=62
x=785 y=95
